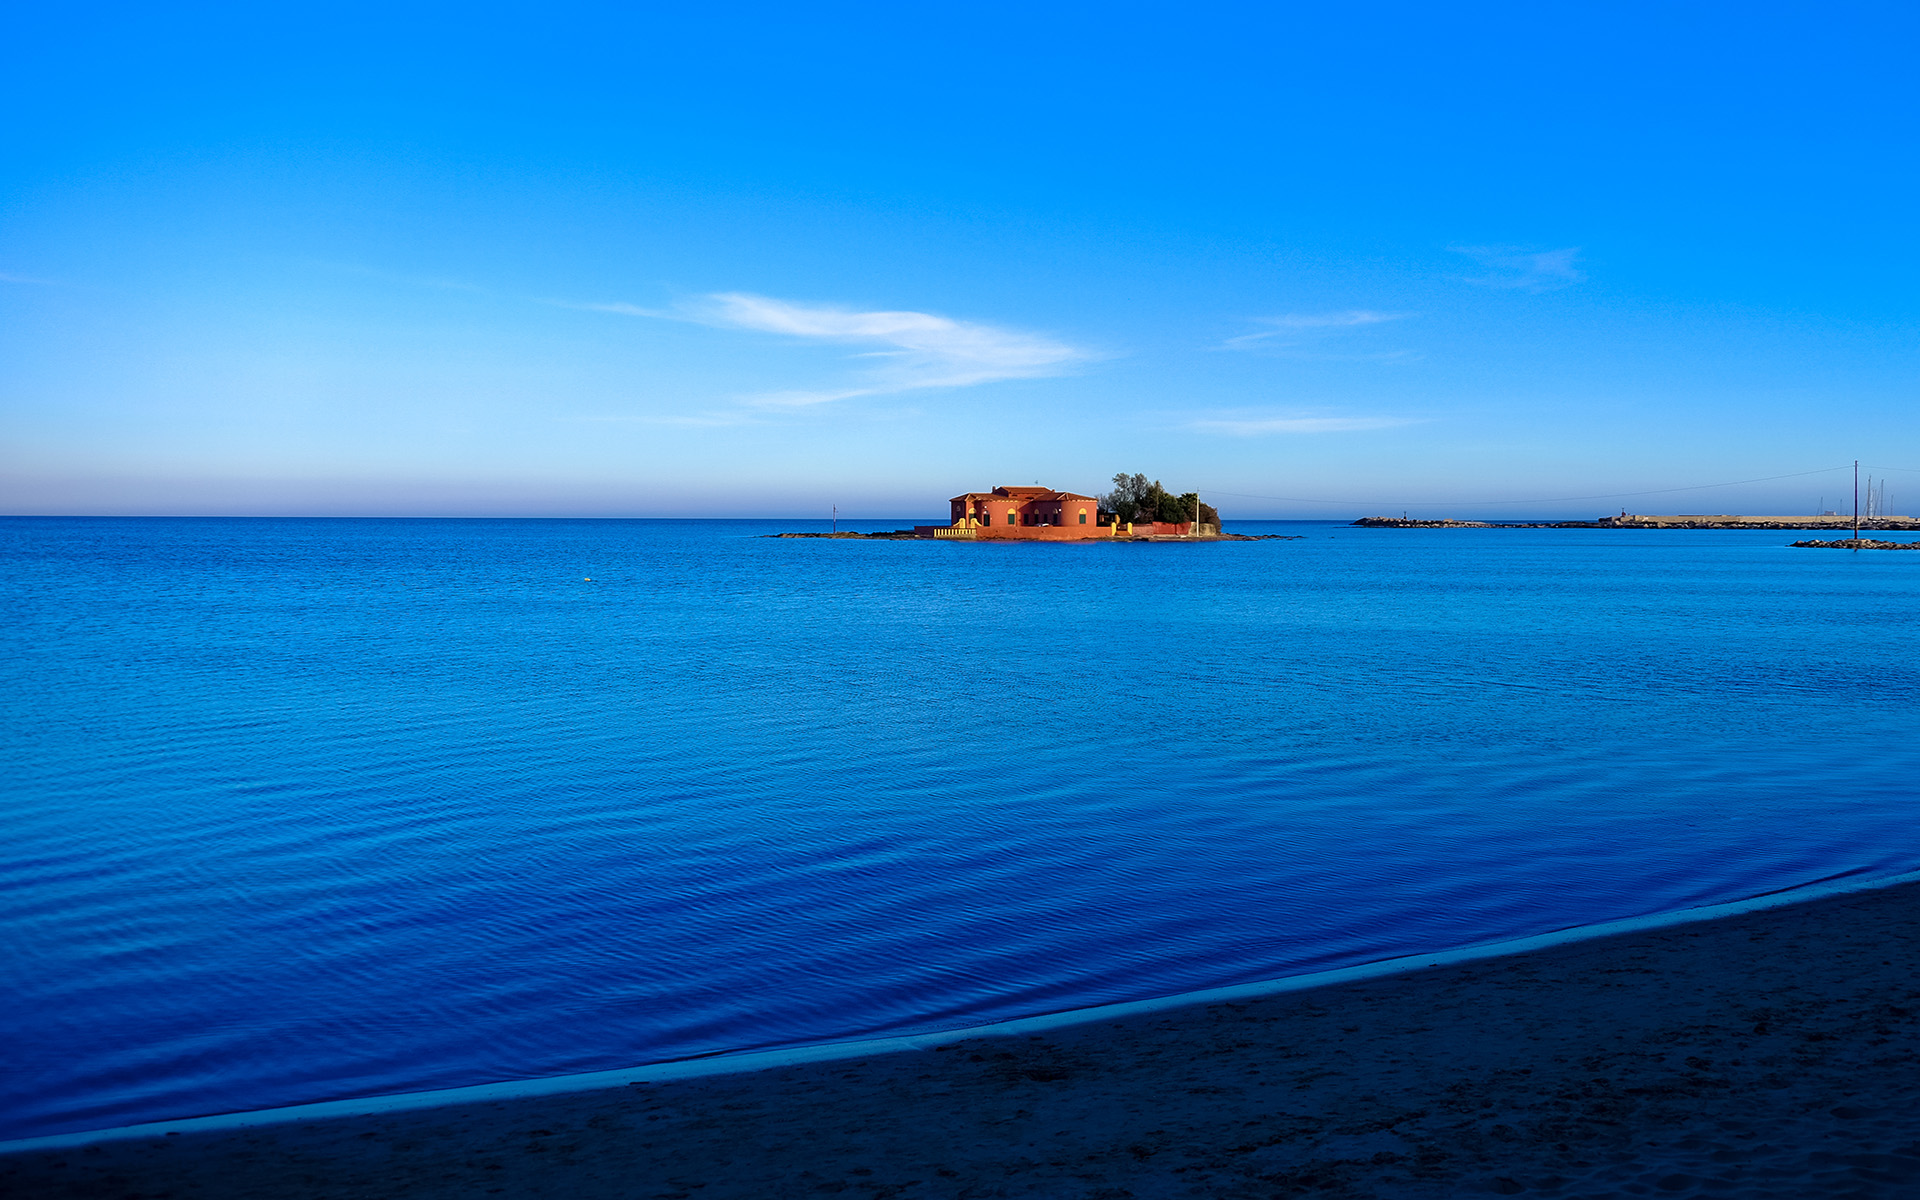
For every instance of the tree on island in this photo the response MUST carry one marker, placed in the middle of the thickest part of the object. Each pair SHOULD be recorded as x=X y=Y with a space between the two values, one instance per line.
x=1136 y=498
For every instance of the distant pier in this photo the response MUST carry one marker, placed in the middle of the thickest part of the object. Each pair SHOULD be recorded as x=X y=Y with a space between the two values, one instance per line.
x=1677 y=521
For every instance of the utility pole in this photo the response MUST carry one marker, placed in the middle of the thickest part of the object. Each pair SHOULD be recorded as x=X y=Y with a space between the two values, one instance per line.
x=1196 y=514
x=1856 y=501
x=836 y=518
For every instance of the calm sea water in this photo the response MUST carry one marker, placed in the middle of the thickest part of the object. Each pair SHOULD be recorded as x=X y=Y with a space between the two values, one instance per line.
x=298 y=810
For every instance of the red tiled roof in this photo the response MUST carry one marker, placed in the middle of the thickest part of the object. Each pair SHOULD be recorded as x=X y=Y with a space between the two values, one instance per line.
x=1026 y=495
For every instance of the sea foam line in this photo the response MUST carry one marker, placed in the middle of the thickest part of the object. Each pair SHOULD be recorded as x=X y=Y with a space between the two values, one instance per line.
x=760 y=1060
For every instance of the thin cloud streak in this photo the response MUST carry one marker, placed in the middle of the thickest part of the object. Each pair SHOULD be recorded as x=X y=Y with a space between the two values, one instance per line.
x=799 y=398
x=1354 y=316
x=685 y=420
x=625 y=310
x=1523 y=268
x=913 y=350
x=1263 y=426
x=1305 y=335
x=919 y=350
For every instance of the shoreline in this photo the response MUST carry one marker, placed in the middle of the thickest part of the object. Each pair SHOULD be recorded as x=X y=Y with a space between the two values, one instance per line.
x=883 y=1083
x=748 y=1061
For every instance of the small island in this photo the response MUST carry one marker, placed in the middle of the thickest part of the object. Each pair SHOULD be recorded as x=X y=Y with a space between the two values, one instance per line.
x=1136 y=510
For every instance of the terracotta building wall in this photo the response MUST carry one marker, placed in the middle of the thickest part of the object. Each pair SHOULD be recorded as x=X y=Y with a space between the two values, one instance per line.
x=1046 y=533
x=998 y=508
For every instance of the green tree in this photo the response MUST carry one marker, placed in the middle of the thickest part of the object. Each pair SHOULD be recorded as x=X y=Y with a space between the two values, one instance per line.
x=1129 y=497
x=1136 y=498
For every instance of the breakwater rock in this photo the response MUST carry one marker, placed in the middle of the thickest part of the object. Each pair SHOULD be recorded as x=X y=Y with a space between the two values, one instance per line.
x=1879 y=524
x=1859 y=544
x=1837 y=524
x=1413 y=523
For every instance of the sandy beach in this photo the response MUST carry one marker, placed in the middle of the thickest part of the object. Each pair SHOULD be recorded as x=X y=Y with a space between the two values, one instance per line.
x=1771 y=1053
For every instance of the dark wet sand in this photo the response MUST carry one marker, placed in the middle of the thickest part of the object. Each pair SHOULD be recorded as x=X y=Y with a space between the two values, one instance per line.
x=1776 y=1053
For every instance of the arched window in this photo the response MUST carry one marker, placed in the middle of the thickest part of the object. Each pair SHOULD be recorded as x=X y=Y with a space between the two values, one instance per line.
x=1083 y=516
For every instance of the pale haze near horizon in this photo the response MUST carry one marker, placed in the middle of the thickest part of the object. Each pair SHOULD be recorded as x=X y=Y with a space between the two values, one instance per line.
x=590 y=261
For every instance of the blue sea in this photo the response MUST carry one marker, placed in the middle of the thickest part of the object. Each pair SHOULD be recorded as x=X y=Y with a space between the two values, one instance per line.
x=307 y=809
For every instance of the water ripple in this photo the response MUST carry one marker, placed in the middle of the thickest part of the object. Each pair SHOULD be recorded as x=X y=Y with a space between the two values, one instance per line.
x=308 y=809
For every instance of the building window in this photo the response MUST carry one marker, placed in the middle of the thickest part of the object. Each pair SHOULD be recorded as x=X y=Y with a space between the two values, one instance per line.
x=1083 y=516
x=1009 y=516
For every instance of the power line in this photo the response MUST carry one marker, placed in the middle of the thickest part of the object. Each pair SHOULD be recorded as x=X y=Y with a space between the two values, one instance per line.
x=1699 y=487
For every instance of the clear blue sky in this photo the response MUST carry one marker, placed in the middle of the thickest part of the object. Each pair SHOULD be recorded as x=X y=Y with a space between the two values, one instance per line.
x=740 y=260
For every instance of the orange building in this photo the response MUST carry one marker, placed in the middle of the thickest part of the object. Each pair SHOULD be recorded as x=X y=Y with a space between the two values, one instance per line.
x=1039 y=514
x=1043 y=515
x=1029 y=512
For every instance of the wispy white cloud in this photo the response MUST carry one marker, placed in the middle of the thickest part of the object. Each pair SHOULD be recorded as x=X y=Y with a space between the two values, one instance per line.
x=914 y=350
x=12 y=277
x=802 y=398
x=1316 y=335
x=625 y=310
x=1524 y=268
x=1256 y=425
x=908 y=350
x=706 y=420
x=1334 y=320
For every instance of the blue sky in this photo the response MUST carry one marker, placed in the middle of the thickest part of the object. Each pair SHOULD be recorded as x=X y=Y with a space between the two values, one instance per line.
x=757 y=260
